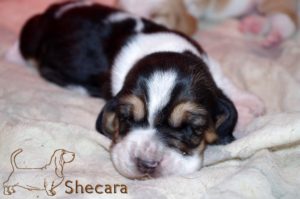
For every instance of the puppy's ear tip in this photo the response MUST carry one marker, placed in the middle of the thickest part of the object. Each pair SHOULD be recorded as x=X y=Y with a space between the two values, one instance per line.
x=107 y=122
x=224 y=140
x=98 y=125
x=226 y=119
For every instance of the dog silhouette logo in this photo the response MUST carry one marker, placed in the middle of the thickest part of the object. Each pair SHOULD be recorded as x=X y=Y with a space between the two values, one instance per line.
x=45 y=178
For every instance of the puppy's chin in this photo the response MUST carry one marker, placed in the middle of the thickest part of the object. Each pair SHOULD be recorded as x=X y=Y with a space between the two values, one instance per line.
x=144 y=144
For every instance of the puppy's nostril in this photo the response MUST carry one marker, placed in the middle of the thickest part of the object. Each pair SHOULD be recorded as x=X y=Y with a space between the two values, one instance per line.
x=146 y=166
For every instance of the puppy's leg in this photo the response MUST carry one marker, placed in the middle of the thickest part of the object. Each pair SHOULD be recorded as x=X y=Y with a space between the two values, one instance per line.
x=248 y=105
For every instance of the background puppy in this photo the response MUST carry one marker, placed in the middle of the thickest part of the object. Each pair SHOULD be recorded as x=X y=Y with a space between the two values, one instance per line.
x=163 y=92
x=279 y=21
x=170 y=13
x=275 y=21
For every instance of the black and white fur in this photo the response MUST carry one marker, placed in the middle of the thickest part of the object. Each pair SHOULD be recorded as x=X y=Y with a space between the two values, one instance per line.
x=163 y=92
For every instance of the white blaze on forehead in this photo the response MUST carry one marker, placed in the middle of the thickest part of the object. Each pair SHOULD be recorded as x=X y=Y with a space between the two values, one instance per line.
x=142 y=45
x=160 y=86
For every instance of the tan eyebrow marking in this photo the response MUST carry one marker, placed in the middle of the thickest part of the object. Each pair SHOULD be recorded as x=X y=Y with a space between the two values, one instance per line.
x=182 y=111
x=138 y=107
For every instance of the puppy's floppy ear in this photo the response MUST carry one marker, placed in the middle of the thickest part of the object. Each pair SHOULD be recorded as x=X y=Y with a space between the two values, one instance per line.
x=225 y=119
x=108 y=122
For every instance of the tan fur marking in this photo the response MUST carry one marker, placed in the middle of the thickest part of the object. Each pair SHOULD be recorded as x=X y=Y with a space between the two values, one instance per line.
x=138 y=106
x=174 y=15
x=111 y=122
x=202 y=147
x=288 y=7
x=210 y=136
x=180 y=112
x=221 y=4
x=185 y=22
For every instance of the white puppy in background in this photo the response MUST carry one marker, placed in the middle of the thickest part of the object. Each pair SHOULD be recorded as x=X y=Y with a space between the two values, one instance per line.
x=274 y=20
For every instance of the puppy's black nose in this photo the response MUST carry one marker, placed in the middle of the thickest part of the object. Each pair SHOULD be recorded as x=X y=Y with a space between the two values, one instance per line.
x=146 y=166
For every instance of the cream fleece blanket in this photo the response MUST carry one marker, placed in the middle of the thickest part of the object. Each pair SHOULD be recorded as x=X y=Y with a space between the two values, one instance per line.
x=39 y=118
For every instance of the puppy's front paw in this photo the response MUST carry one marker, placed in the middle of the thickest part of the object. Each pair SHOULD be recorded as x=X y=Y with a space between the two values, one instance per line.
x=274 y=38
x=245 y=117
x=249 y=107
x=253 y=24
x=252 y=102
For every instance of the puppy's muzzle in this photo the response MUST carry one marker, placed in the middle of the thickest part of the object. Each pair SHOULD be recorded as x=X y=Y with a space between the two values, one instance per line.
x=146 y=166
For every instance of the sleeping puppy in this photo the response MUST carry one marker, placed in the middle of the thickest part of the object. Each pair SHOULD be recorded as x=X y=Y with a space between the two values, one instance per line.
x=163 y=92
x=273 y=20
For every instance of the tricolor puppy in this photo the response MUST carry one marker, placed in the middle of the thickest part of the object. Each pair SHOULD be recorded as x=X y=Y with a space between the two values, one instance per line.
x=163 y=103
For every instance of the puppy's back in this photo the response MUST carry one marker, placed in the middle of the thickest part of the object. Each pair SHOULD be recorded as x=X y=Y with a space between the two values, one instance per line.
x=33 y=30
x=31 y=36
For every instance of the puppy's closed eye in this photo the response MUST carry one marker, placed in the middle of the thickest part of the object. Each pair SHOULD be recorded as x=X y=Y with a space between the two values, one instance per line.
x=197 y=118
x=187 y=112
x=117 y=114
x=132 y=105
